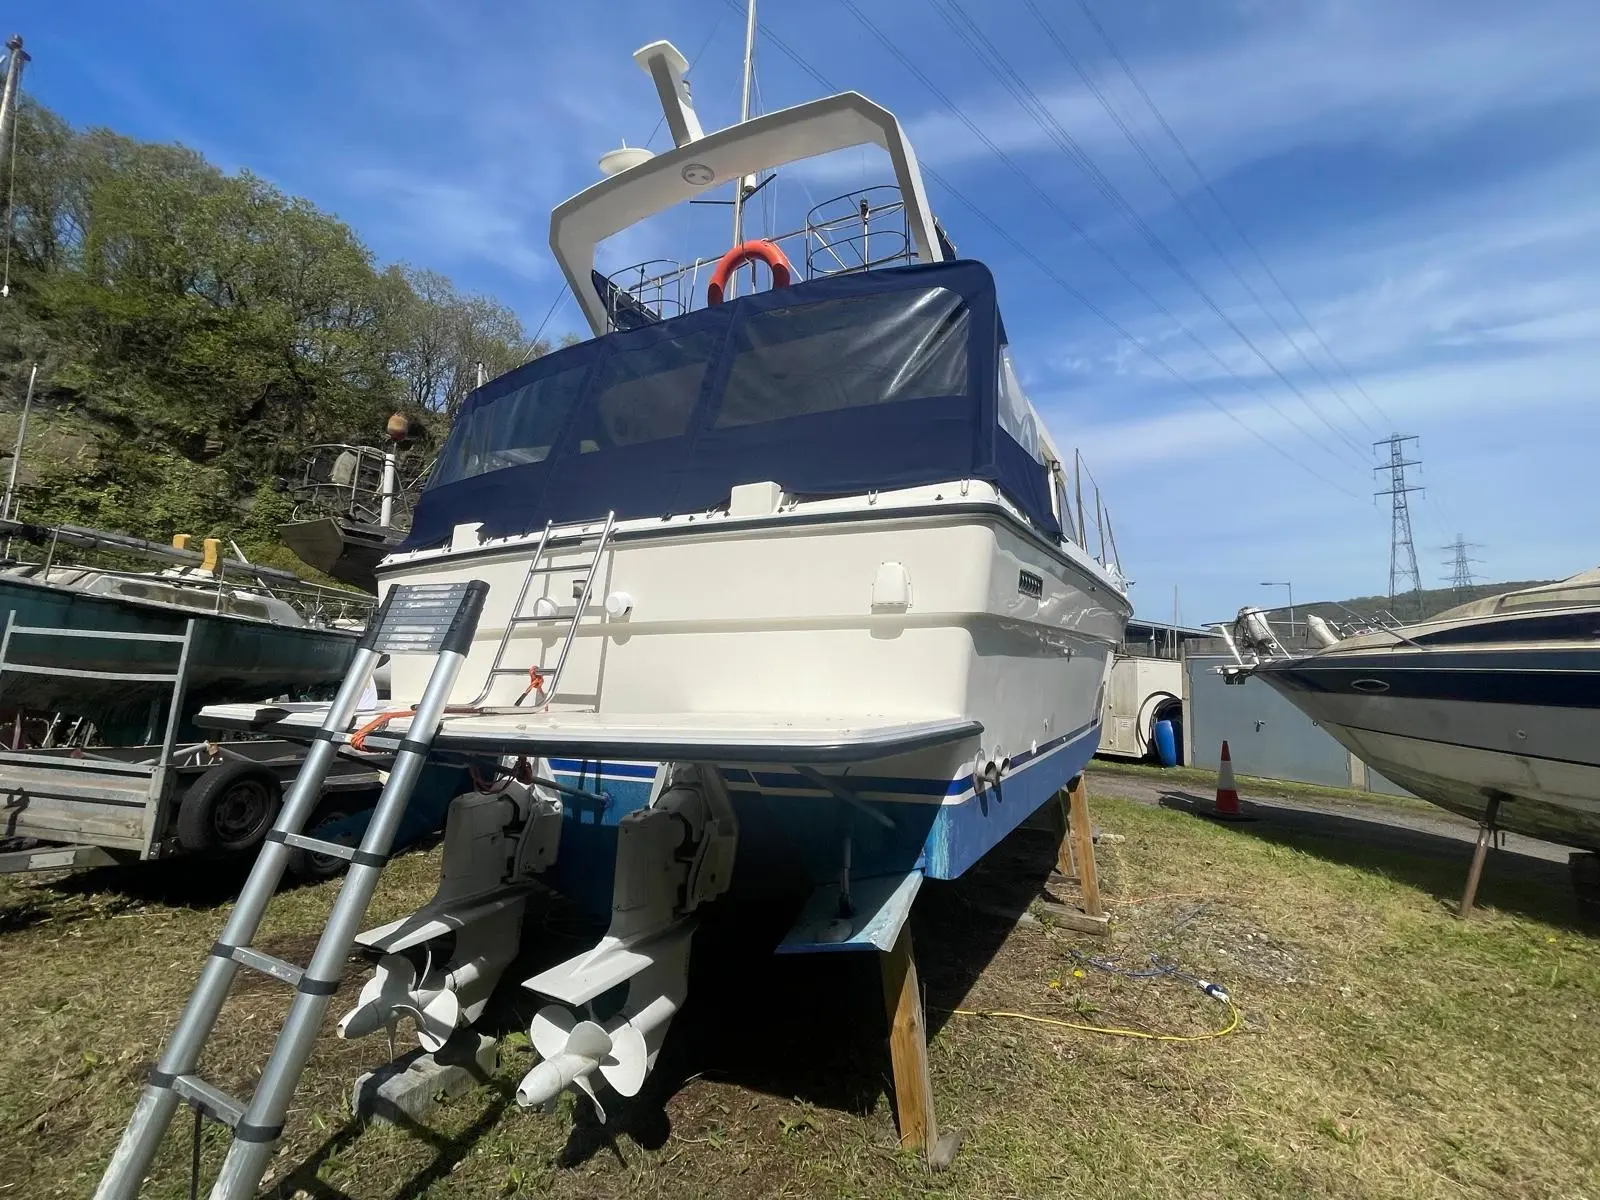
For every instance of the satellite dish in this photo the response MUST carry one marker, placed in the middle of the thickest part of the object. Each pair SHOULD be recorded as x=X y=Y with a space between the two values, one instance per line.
x=625 y=157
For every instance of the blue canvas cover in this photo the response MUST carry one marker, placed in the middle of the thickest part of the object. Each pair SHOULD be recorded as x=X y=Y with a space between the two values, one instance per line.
x=836 y=386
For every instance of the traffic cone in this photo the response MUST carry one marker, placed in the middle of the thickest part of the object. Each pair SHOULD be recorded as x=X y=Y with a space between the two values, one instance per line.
x=1226 y=806
x=1227 y=792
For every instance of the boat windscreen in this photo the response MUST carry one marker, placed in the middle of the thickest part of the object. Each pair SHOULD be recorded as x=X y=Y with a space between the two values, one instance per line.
x=1016 y=411
x=850 y=353
x=837 y=386
x=1581 y=590
x=522 y=428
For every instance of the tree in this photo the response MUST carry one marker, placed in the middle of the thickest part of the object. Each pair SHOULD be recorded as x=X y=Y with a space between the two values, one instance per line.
x=446 y=335
x=204 y=327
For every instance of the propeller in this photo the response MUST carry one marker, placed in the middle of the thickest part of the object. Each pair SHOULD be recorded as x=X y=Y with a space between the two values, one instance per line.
x=571 y=1050
x=395 y=990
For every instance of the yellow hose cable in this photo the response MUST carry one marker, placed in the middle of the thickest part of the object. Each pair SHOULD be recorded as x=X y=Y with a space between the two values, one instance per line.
x=1233 y=1024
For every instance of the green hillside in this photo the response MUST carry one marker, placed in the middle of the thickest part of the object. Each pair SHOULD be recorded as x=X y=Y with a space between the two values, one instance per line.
x=194 y=330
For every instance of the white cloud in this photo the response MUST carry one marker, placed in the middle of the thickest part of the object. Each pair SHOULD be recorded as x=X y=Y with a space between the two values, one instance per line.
x=456 y=219
x=1371 y=72
x=1468 y=394
x=1488 y=282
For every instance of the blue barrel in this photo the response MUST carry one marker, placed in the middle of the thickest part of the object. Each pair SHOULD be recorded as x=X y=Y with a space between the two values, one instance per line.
x=1166 y=744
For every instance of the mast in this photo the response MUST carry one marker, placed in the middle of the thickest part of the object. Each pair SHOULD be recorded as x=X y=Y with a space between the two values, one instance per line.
x=8 y=98
x=740 y=184
x=15 y=57
x=16 y=455
x=744 y=114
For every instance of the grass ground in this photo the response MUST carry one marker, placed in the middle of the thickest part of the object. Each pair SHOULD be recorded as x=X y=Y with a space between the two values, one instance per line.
x=1256 y=786
x=1384 y=1049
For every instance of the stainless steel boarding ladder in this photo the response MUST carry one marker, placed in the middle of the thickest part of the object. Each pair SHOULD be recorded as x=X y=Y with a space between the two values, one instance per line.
x=436 y=619
x=542 y=684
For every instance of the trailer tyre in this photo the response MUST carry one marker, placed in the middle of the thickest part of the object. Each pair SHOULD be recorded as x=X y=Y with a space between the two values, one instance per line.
x=229 y=809
x=313 y=867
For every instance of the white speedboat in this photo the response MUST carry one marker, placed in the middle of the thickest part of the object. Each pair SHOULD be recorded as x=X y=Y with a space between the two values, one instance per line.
x=1494 y=702
x=785 y=597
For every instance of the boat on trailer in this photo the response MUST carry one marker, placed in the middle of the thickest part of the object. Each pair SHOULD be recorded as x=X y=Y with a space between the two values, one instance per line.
x=784 y=599
x=258 y=632
x=102 y=670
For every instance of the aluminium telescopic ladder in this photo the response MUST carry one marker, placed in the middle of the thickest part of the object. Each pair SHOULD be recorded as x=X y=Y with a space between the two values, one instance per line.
x=437 y=619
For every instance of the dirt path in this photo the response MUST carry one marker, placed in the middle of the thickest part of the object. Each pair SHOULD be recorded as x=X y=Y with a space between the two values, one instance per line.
x=1430 y=832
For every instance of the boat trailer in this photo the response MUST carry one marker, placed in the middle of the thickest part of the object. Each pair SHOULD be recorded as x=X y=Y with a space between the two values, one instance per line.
x=65 y=805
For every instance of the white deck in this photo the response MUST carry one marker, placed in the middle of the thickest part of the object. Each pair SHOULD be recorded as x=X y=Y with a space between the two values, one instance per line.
x=682 y=737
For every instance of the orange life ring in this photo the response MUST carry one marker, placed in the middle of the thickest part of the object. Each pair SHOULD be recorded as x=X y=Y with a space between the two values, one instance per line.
x=730 y=262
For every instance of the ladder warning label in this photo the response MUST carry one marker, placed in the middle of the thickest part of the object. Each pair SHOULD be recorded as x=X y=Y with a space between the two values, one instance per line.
x=418 y=616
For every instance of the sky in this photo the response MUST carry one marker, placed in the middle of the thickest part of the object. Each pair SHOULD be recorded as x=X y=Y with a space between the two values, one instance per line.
x=1289 y=227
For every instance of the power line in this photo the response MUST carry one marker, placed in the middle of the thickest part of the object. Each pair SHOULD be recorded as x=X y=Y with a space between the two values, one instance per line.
x=1023 y=250
x=1084 y=236
x=533 y=342
x=1227 y=214
x=1187 y=209
x=1402 y=550
x=1039 y=112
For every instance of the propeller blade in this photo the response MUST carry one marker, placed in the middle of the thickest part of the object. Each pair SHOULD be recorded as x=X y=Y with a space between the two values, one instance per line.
x=629 y=1061
x=438 y=1019
x=588 y=1090
x=382 y=997
x=551 y=1027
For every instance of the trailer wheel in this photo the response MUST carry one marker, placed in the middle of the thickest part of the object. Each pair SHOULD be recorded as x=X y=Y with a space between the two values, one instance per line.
x=229 y=809
x=314 y=867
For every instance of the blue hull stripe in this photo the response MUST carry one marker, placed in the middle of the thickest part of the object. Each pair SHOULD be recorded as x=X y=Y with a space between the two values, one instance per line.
x=941 y=827
x=607 y=770
x=910 y=788
x=965 y=832
x=791 y=781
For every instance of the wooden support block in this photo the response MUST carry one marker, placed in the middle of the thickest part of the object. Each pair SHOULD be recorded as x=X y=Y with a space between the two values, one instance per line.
x=908 y=1055
x=1082 y=838
x=1065 y=914
x=908 y=1045
x=1060 y=819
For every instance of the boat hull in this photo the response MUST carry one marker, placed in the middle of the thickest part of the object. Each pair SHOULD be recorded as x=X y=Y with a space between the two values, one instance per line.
x=231 y=659
x=792 y=831
x=782 y=616
x=778 y=618
x=347 y=550
x=1461 y=727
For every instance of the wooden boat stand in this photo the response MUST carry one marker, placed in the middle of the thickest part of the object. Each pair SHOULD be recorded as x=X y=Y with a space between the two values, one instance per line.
x=1075 y=862
x=908 y=1054
x=902 y=993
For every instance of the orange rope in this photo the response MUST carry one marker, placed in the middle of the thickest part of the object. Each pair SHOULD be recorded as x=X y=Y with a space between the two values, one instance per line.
x=522 y=772
x=535 y=684
x=358 y=739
